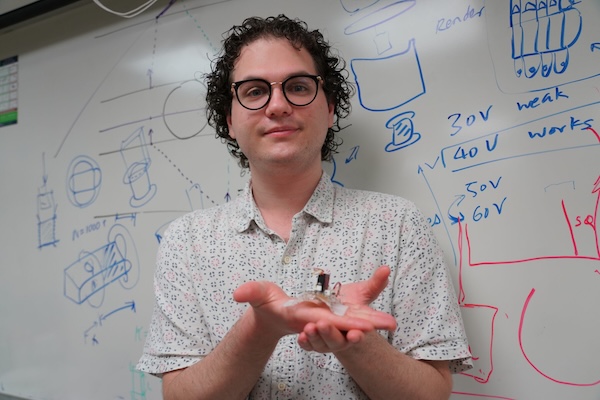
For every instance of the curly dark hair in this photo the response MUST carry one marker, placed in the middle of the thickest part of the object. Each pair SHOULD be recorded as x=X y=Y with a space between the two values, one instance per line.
x=331 y=68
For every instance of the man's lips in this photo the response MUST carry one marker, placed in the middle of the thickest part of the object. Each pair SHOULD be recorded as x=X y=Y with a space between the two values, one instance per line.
x=281 y=130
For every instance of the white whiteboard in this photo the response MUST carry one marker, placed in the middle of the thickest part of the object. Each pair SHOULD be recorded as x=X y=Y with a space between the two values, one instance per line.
x=486 y=114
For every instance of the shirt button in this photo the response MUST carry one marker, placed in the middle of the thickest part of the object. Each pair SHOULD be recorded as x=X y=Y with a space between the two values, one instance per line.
x=281 y=386
x=287 y=259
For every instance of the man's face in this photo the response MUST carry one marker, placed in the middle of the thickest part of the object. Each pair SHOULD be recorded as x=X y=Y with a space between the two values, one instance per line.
x=279 y=134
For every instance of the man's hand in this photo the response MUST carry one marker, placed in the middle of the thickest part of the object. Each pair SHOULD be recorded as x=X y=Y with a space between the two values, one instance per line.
x=324 y=337
x=268 y=303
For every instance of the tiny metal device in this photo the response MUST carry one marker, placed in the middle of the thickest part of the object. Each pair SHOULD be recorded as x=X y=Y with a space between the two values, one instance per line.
x=320 y=293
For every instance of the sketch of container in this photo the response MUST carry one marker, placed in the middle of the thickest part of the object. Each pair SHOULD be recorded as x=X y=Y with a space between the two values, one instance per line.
x=93 y=271
x=137 y=163
x=399 y=74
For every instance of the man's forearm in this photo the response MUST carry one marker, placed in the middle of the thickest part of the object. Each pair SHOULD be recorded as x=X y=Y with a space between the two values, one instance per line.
x=383 y=372
x=230 y=371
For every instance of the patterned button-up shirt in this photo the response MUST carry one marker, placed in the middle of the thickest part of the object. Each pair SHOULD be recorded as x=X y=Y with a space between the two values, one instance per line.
x=205 y=255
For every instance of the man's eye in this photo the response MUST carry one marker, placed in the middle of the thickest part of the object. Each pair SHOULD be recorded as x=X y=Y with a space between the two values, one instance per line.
x=297 y=88
x=255 y=91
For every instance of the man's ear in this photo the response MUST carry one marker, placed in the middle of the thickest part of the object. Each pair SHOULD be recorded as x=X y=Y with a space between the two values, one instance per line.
x=331 y=114
x=231 y=132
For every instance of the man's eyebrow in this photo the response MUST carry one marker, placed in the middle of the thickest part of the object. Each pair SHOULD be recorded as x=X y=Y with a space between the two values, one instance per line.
x=295 y=73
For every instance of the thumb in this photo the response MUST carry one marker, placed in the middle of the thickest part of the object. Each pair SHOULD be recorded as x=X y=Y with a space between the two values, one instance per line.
x=377 y=282
x=250 y=292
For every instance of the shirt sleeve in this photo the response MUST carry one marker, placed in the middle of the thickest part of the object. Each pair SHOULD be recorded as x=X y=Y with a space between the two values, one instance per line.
x=430 y=326
x=178 y=336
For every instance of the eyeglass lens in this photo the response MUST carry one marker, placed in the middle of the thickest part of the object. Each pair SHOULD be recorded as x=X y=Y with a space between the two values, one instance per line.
x=298 y=90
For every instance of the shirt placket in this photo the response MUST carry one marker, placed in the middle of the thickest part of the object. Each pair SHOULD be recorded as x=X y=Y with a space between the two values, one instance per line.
x=289 y=277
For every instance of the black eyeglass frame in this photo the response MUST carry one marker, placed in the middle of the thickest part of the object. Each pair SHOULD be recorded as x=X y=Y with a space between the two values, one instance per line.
x=235 y=86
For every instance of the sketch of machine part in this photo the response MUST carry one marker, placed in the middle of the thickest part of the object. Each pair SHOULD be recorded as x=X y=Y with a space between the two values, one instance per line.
x=46 y=215
x=137 y=164
x=371 y=18
x=84 y=180
x=371 y=15
x=184 y=109
x=117 y=261
x=541 y=45
x=403 y=131
x=542 y=33
x=374 y=76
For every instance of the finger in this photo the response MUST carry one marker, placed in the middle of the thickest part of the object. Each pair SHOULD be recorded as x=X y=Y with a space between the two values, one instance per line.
x=355 y=336
x=359 y=321
x=303 y=342
x=255 y=293
x=314 y=337
x=378 y=282
x=327 y=337
x=378 y=319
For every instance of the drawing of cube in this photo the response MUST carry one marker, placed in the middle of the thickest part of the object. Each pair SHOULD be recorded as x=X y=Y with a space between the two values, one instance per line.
x=94 y=271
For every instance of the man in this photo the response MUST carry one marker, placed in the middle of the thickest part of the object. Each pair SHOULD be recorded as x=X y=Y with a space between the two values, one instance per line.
x=276 y=95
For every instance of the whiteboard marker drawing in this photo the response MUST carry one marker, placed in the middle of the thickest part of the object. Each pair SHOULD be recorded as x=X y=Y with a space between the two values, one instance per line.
x=137 y=164
x=542 y=33
x=87 y=278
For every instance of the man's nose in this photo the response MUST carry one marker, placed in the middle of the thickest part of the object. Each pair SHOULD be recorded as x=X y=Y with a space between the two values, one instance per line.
x=278 y=104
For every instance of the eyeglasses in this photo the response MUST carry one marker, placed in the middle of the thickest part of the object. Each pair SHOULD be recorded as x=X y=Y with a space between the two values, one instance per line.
x=299 y=90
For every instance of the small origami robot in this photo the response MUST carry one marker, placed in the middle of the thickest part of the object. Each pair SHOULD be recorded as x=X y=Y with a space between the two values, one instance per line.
x=320 y=293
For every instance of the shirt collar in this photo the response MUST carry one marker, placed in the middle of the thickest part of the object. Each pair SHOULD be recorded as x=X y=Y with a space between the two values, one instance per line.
x=320 y=205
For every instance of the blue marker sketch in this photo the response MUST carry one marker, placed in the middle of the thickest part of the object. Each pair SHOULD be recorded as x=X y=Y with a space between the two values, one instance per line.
x=492 y=147
x=399 y=75
x=46 y=214
x=403 y=131
x=379 y=16
x=333 y=178
x=542 y=33
x=542 y=44
x=99 y=322
x=137 y=163
x=92 y=272
x=195 y=197
x=353 y=154
x=84 y=180
x=352 y=6
x=369 y=15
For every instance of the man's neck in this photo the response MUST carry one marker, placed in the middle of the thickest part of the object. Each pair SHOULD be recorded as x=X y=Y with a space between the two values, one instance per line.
x=280 y=195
